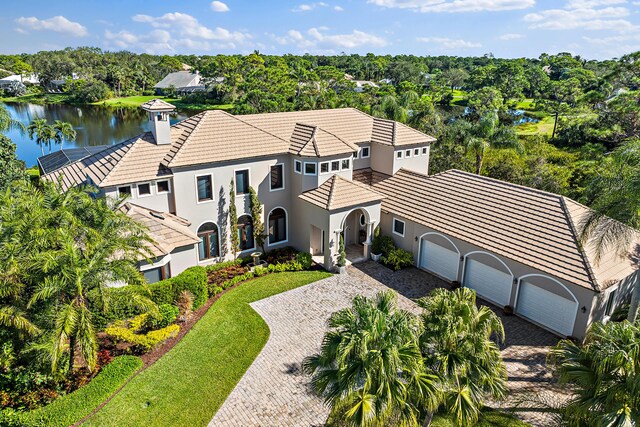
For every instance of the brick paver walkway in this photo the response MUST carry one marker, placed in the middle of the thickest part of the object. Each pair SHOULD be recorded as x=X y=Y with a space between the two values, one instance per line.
x=273 y=391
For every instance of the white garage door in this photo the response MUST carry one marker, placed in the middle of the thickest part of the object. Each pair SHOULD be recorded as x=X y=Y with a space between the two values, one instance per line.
x=490 y=283
x=546 y=308
x=439 y=260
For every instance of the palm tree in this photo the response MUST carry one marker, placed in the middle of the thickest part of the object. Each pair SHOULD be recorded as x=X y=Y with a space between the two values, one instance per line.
x=43 y=132
x=487 y=133
x=64 y=131
x=614 y=196
x=94 y=248
x=457 y=346
x=7 y=122
x=605 y=374
x=370 y=369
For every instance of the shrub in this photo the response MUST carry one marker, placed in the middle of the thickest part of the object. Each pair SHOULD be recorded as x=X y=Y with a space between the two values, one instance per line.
x=382 y=245
x=342 y=256
x=193 y=279
x=167 y=314
x=305 y=259
x=398 y=258
x=71 y=408
x=126 y=331
x=281 y=255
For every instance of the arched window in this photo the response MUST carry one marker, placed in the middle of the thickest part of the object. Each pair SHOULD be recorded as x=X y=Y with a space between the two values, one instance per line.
x=209 y=244
x=245 y=232
x=277 y=226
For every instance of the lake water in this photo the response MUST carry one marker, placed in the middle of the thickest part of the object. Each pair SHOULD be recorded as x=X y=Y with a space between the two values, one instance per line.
x=94 y=125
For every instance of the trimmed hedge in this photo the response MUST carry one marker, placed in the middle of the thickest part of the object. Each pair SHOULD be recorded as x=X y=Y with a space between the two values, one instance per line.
x=193 y=279
x=126 y=331
x=71 y=408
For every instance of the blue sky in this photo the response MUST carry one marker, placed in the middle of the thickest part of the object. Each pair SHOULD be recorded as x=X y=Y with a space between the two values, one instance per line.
x=597 y=29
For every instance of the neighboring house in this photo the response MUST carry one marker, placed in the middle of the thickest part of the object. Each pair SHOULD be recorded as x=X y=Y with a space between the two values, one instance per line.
x=8 y=81
x=325 y=174
x=180 y=81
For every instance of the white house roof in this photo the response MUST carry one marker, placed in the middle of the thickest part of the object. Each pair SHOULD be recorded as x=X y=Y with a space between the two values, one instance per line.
x=178 y=79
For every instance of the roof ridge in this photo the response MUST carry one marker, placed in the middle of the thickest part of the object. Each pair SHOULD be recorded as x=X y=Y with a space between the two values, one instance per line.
x=510 y=184
x=331 y=191
x=348 y=144
x=119 y=162
x=197 y=117
x=579 y=245
x=254 y=126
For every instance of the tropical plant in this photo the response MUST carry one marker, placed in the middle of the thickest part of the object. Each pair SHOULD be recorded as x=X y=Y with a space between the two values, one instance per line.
x=43 y=133
x=459 y=342
x=369 y=369
x=12 y=168
x=604 y=373
x=614 y=196
x=64 y=131
x=9 y=123
x=56 y=248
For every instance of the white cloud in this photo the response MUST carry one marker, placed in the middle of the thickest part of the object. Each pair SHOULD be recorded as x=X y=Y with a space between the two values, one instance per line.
x=448 y=43
x=614 y=45
x=511 y=36
x=187 y=26
x=455 y=6
x=608 y=18
x=317 y=40
x=584 y=14
x=218 y=6
x=308 y=7
x=156 y=41
x=58 y=24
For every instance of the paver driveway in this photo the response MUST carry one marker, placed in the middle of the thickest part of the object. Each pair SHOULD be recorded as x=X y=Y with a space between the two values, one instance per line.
x=273 y=391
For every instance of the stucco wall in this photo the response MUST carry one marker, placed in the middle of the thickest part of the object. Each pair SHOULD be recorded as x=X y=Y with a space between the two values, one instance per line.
x=360 y=162
x=586 y=298
x=417 y=163
x=163 y=202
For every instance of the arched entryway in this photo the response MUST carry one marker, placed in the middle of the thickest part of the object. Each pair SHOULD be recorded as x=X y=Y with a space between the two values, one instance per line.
x=356 y=234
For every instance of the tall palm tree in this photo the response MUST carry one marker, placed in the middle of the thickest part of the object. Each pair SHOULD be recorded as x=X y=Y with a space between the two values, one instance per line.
x=95 y=247
x=64 y=131
x=605 y=374
x=460 y=344
x=487 y=133
x=614 y=196
x=43 y=132
x=370 y=368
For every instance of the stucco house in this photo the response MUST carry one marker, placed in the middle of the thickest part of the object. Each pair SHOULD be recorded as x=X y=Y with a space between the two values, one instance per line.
x=326 y=173
x=181 y=81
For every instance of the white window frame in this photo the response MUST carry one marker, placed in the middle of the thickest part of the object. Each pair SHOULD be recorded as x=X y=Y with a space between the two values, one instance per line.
x=342 y=168
x=416 y=152
x=331 y=164
x=612 y=293
x=399 y=154
x=124 y=186
x=356 y=155
x=328 y=168
x=304 y=168
x=404 y=227
x=214 y=259
x=368 y=152
x=297 y=163
x=424 y=151
x=407 y=153
x=142 y=196
x=286 y=225
x=284 y=184
x=235 y=183
x=213 y=195
x=168 y=181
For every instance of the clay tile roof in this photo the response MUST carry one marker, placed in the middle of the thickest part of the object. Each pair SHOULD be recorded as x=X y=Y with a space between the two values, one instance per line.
x=312 y=141
x=339 y=193
x=168 y=231
x=529 y=226
x=157 y=105
x=134 y=160
x=215 y=136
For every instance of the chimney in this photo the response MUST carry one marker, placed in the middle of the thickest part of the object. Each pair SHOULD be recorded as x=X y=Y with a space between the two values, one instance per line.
x=158 y=112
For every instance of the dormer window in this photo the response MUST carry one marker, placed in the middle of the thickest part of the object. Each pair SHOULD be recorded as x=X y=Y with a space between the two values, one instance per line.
x=335 y=166
x=309 y=168
x=324 y=167
x=124 y=191
x=144 y=189
x=407 y=153
x=345 y=164
x=398 y=154
x=424 y=151
x=364 y=152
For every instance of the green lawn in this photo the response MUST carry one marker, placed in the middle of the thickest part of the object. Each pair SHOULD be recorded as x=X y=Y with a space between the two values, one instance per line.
x=489 y=418
x=40 y=98
x=131 y=101
x=136 y=101
x=189 y=383
x=543 y=127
